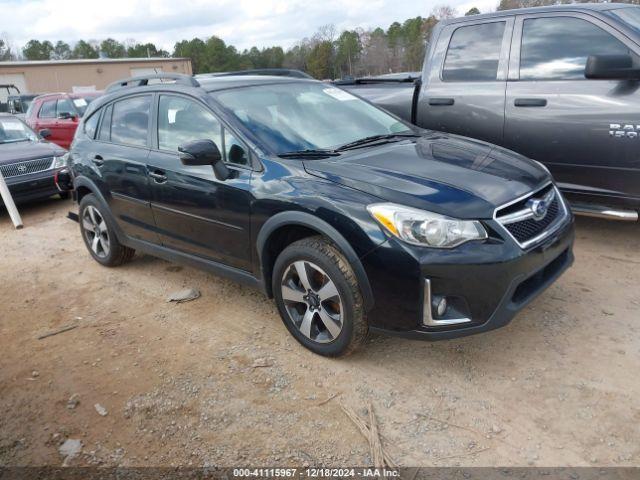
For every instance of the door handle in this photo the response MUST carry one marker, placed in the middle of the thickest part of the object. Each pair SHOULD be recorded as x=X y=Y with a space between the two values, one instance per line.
x=98 y=160
x=158 y=176
x=436 y=101
x=530 y=102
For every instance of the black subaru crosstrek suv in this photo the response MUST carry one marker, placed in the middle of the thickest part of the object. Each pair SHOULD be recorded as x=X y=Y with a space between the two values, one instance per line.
x=352 y=219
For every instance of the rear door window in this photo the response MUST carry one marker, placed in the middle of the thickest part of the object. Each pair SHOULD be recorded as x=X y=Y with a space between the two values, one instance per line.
x=130 y=121
x=474 y=53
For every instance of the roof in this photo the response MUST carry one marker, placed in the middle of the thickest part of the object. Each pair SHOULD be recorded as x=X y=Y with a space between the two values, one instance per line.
x=211 y=84
x=95 y=93
x=33 y=63
x=573 y=7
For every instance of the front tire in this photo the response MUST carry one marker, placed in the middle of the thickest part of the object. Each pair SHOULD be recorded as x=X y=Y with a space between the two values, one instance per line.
x=318 y=297
x=99 y=235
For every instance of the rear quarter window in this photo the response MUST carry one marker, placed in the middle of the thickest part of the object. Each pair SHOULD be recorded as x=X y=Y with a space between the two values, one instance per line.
x=91 y=125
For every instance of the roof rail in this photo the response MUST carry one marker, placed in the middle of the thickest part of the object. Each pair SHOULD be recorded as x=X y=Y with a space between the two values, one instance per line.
x=142 y=80
x=277 y=72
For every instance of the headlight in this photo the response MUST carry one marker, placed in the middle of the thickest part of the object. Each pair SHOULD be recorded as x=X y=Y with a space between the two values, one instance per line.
x=427 y=229
x=61 y=161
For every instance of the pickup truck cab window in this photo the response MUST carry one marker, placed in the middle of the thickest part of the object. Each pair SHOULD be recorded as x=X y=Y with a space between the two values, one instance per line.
x=474 y=53
x=556 y=48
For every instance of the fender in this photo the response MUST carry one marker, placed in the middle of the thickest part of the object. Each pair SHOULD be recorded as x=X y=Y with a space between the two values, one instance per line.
x=308 y=220
x=86 y=182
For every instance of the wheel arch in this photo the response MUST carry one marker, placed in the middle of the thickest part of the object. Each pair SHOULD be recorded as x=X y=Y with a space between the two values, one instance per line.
x=301 y=225
x=83 y=187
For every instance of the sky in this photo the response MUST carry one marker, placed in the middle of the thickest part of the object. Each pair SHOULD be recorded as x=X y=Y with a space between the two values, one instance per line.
x=243 y=23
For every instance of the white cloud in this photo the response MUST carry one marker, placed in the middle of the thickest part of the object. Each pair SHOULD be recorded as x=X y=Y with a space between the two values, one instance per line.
x=242 y=23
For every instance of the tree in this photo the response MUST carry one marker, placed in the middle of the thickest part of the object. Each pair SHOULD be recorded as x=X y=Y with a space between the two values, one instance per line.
x=320 y=60
x=443 y=12
x=348 y=50
x=144 y=50
x=472 y=11
x=37 y=50
x=5 y=51
x=112 y=48
x=193 y=49
x=84 y=49
x=61 y=51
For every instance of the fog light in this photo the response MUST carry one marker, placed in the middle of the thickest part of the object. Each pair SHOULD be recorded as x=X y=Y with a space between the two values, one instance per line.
x=441 y=306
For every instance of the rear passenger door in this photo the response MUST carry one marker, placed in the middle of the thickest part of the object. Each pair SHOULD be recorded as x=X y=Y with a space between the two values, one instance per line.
x=195 y=212
x=558 y=117
x=466 y=80
x=120 y=158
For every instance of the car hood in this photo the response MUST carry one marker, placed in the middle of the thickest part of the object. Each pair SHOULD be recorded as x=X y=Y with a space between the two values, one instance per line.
x=443 y=173
x=21 y=151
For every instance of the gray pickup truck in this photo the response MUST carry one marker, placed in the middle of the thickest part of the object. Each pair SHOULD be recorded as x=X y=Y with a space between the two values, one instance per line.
x=560 y=85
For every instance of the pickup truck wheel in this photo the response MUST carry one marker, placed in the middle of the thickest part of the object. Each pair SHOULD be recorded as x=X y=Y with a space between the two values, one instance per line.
x=99 y=236
x=319 y=298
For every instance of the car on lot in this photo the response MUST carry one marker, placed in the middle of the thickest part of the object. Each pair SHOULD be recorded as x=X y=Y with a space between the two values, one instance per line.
x=19 y=104
x=59 y=113
x=28 y=163
x=558 y=84
x=352 y=219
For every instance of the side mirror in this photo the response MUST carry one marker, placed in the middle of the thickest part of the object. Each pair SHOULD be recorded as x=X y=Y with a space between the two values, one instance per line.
x=204 y=152
x=611 y=67
x=44 y=133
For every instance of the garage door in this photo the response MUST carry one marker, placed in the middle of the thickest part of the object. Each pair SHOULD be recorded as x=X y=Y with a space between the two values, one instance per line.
x=16 y=79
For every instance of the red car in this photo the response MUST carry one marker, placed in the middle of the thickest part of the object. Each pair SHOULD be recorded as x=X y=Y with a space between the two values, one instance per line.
x=59 y=113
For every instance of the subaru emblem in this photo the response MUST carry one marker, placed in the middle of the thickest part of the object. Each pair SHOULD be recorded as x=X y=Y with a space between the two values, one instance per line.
x=538 y=208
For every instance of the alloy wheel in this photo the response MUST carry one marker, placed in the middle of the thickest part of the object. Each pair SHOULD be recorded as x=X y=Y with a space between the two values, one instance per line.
x=312 y=301
x=95 y=231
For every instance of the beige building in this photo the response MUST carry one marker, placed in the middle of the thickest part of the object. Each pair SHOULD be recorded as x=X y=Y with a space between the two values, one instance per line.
x=85 y=74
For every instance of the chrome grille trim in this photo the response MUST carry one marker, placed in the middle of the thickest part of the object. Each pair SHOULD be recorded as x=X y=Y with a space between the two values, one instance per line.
x=518 y=216
x=27 y=167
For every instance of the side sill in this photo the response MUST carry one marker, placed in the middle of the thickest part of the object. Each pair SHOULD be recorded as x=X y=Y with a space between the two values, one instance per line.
x=210 y=266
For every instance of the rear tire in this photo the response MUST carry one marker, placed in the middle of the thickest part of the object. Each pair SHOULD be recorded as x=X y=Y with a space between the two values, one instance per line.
x=324 y=310
x=99 y=234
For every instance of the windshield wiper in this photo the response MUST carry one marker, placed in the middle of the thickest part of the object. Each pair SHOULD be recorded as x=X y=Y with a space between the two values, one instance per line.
x=310 y=153
x=375 y=138
x=17 y=140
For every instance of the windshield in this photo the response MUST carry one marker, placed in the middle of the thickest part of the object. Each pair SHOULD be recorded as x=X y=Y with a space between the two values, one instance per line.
x=13 y=130
x=294 y=117
x=81 y=104
x=630 y=16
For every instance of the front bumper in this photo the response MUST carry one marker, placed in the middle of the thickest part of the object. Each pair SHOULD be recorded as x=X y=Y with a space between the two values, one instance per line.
x=30 y=187
x=489 y=282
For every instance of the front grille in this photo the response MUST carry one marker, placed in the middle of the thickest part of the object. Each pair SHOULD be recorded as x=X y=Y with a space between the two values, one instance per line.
x=527 y=225
x=531 y=228
x=27 y=167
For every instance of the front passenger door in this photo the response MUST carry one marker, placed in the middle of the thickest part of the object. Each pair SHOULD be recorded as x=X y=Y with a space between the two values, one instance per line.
x=557 y=116
x=194 y=211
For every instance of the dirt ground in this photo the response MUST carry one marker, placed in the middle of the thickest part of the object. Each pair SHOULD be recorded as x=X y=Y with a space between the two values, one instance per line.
x=219 y=381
